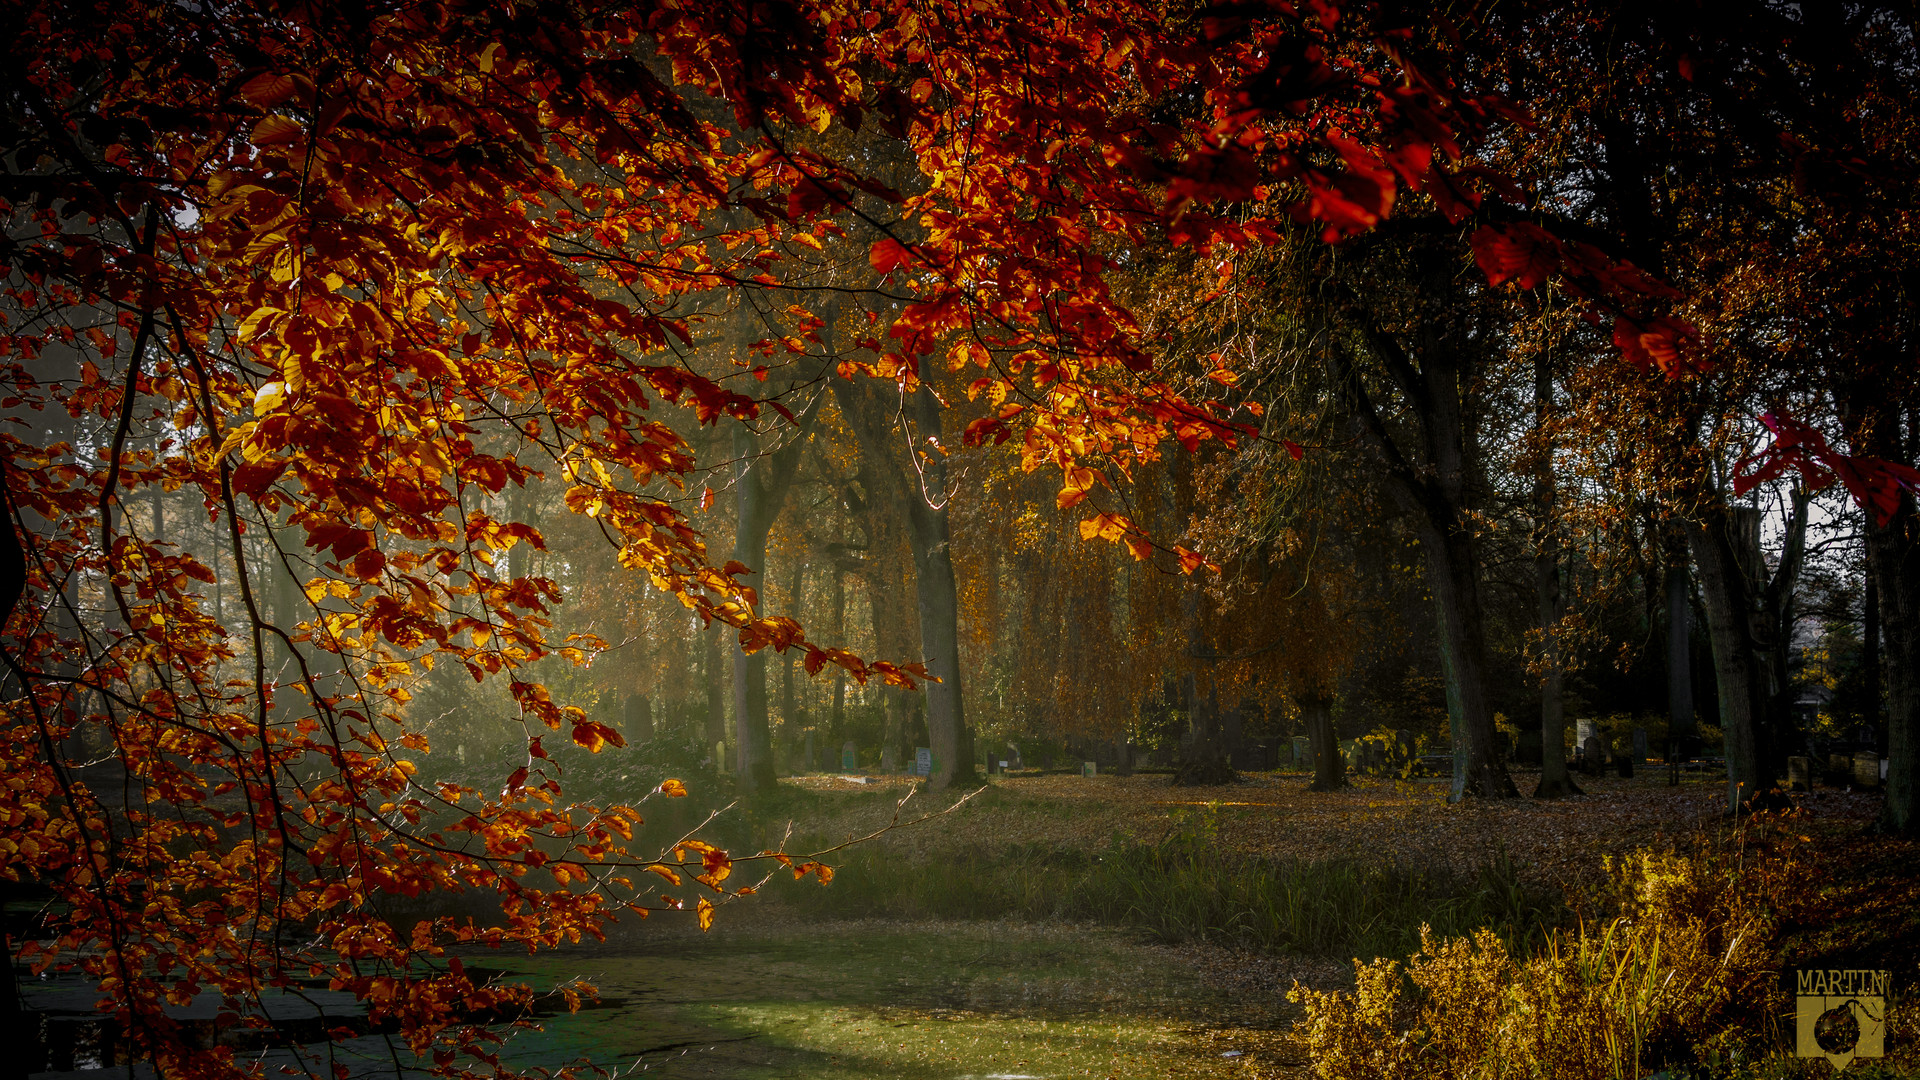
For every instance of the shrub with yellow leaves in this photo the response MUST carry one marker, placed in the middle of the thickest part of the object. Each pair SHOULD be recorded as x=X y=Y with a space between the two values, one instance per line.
x=1681 y=973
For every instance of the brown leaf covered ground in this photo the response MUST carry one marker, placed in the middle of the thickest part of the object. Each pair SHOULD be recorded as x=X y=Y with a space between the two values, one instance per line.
x=1553 y=842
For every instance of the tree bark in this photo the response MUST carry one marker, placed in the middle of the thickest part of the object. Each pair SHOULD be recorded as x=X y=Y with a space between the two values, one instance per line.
x=761 y=483
x=1433 y=488
x=756 y=505
x=1683 y=734
x=1728 y=597
x=1329 y=768
x=1893 y=561
x=919 y=490
x=713 y=668
x=1554 y=781
x=1894 y=554
x=1870 y=656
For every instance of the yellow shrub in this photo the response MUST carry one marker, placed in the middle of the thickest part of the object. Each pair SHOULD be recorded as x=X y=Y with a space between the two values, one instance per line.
x=1683 y=965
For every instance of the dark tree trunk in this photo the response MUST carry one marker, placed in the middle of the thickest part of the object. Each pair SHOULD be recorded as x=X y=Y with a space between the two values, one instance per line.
x=1554 y=781
x=931 y=538
x=1718 y=547
x=1870 y=646
x=1894 y=553
x=919 y=489
x=1780 y=731
x=1682 y=732
x=1206 y=765
x=790 y=719
x=760 y=490
x=1893 y=561
x=756 y=505
x=639 y=718
x=1329 y=768
x=1433 y=485
x=714 y=670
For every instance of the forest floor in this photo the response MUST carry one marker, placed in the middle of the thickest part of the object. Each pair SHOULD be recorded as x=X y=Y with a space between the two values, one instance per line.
x=1273 y=815
x=1863 y=905
x=866 y=978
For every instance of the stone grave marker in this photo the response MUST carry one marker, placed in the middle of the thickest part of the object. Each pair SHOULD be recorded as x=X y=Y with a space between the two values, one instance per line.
x=1866 y=770
x=1593 y=753
x=922 y=761
x=849 y=756
x=1089 y=768
x=1302 y=750
x=1582 y=731
x=1799 y=774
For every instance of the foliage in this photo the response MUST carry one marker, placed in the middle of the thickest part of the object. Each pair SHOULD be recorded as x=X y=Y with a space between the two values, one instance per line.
x=1681 y=973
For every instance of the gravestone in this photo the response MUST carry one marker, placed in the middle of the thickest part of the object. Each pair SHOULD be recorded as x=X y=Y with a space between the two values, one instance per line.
x=1089 y=768
x=1302 y=750
x=1013 y=758
x=889 y=761
x=1639 y=745
x=923 y=761
x=720 y=759
x=1593 y=752
x=1799 y=774
x=849 y=756
x=994 y=764
x=639 y=718
x=1866 y=770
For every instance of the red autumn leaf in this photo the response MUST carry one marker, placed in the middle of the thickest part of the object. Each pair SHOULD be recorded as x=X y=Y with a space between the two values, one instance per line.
x=889 y=255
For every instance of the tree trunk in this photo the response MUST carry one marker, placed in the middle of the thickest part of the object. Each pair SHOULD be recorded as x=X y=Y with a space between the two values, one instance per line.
x=1727 y=594
x=1329 y=768
x=839 y=640
x=1554 y=781
x=1682 y=732
x=931 y=537
x=1780 y=734
x=760 y=486
x=1894 y=553
x=1434 y=486
x=1453 y=577
x=1870 y=657
x=755 y=508
x=920 y=491
x=714 y=670
x=638 y=719
x=1207 y=764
